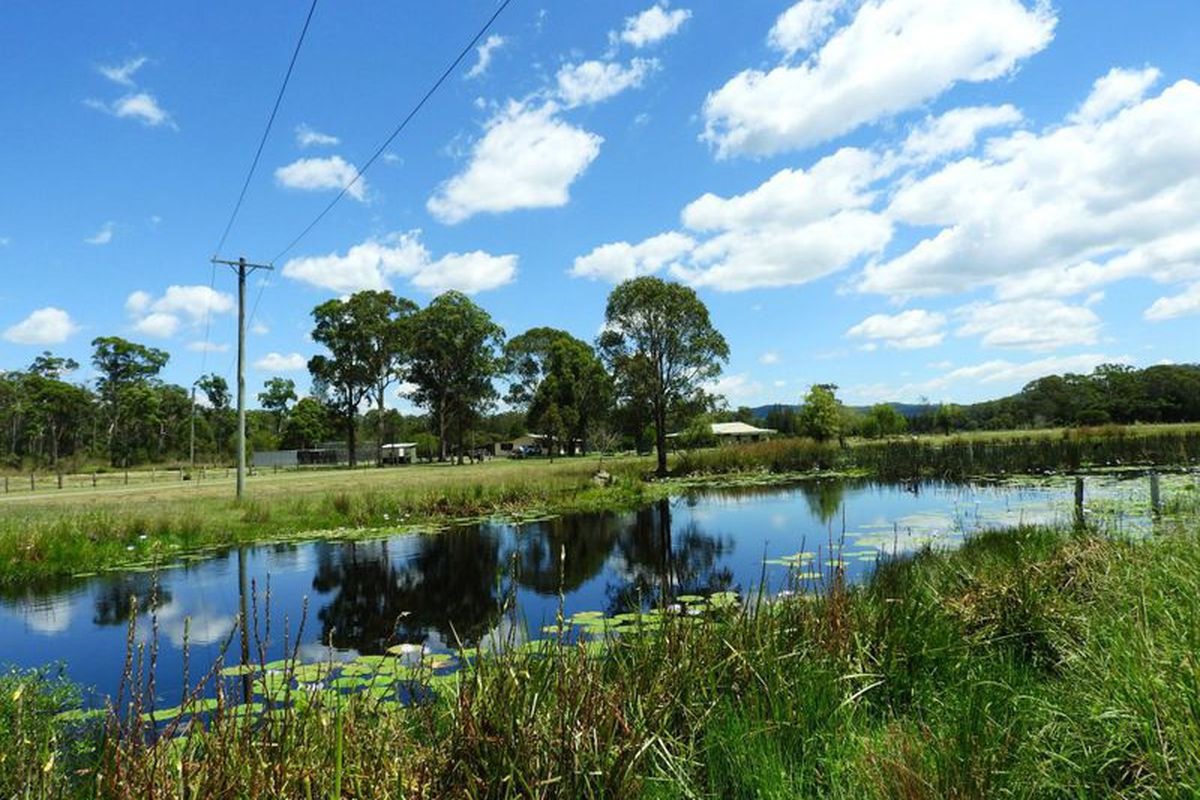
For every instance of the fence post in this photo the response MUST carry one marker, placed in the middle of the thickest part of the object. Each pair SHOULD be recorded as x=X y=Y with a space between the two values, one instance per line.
x=93 y=480
x=60 y=480
x=1079 y=521
x=6 y=484
x=1155 y=496
x=32 y=484
x=126 y=477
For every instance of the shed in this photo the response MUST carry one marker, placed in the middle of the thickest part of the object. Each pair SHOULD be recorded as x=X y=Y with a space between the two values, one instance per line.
x=738 y=432
x=399 y=453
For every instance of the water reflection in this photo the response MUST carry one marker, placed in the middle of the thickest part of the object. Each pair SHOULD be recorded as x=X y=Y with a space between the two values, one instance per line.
x=458 y=586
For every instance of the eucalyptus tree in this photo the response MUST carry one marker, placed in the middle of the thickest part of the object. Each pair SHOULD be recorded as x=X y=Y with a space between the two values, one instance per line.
x=559 y=381
x=127 y=373
x=661 y=347
x=453 y=360
x=275 y=398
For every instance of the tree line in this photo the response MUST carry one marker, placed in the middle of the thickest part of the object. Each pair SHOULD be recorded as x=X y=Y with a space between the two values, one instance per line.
x=643 y=377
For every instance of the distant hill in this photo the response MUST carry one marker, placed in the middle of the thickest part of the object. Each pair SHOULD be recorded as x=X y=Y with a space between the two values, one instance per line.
x=908 y=410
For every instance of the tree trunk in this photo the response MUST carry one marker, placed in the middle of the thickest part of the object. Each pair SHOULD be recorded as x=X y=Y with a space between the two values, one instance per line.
x=379 y=444
x=441 y=432
x=352 y=438
x=660 y=439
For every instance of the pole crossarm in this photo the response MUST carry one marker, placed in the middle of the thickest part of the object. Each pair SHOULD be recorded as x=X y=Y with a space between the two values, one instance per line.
x=242 y=263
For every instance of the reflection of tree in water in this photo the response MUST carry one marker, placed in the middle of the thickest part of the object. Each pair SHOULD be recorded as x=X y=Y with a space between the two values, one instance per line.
x=114 y=595
x=824 y=498
x=450 y=586
x=586 y=539
x=661 y=562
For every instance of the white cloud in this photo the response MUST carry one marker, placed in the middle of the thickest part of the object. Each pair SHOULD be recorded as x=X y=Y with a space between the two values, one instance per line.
x=207 y=347
x=259 y=329
x=123 y=73
x=528 y=157
x=470 y=273
x=1033 y=324
x=485 y=52
x=278 y=362
x=653 y=25
x=802 y=26
x=141 y=106
x=892 y=56
x=738 y=389
x=956 y=130
x=162 y=317
x=1187 y=303
x=593 y=81
x=908 y=330
x=307 y=137
x=795 y=227
x=318 y=174
x=158 y=325
x=48 y=325
x=769 y=358
x=4 y=241
x=1120 y=88
x=102 y=236
x=373 y=263
x=1059 y=212
x=621 y=261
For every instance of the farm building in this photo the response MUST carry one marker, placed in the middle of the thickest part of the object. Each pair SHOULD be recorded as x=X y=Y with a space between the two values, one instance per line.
x=739 y=432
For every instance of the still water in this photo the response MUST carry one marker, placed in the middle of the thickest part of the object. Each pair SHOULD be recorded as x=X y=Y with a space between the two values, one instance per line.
x=359 y=598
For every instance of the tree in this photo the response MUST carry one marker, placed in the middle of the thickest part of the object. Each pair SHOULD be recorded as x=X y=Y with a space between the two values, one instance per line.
x=381 y=322
x=276 y=396
x=661 y=346
x=220 y=415
x=452 y=362
x=560 y=382
x=126 y=371
x=883 y=420
x=307 y=425
x=821 y=416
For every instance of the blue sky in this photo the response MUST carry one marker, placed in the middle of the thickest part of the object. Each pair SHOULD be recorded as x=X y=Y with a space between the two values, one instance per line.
x=910 y=198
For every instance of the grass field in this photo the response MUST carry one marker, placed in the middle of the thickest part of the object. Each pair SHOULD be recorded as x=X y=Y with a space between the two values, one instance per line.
x=1035 y=663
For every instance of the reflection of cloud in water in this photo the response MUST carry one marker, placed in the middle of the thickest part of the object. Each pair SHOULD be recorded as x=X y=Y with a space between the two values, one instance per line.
x=50 y=616
x=780 y=522
x=203 y=626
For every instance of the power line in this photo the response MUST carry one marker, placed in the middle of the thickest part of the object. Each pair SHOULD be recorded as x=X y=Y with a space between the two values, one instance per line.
x=399 y=128
x=266 y=132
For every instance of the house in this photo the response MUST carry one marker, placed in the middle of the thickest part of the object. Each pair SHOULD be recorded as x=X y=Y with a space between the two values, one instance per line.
x=739 y=432
x=399 y=453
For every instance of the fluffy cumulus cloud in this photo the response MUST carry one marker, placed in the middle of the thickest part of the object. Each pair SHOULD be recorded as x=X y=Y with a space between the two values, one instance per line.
x=1116 y=90
x=278 y=362
x=803 y=26
x=484 y=53
x=373 y=264
x=891 y=56
x=908 y=330
x=621 y=261
x=528 y=157
x=1063 y=211
x=308 y=137
x=593 y=81
x=1032 y=324
x=141 y=106
x=956 y=130
x=48 y=325
x=1184 y=304
x=738 y=389
x=797 y=226
x=653 y=25
x=179 y=306
x=322 y=174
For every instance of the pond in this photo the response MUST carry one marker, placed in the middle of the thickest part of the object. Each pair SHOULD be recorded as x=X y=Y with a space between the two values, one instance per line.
x=438 y=589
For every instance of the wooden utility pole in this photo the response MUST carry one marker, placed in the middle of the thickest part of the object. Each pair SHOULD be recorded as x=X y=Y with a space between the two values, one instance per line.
x=242 y=268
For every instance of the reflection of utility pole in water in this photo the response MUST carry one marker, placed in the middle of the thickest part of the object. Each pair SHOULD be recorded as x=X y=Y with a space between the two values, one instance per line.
x=664 y=534
x=247 y=693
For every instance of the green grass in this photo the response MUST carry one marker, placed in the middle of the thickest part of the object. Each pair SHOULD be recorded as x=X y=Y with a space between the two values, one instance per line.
x=49 y=537
x=1034 y=663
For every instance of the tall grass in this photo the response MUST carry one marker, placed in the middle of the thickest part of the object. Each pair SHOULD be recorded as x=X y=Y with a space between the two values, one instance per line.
x=1035 y=663
x=956 y=458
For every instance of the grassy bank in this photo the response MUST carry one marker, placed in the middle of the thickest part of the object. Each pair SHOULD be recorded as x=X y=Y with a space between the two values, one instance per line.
x=51 y=537
x=959 y=457
x=1037 y=663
